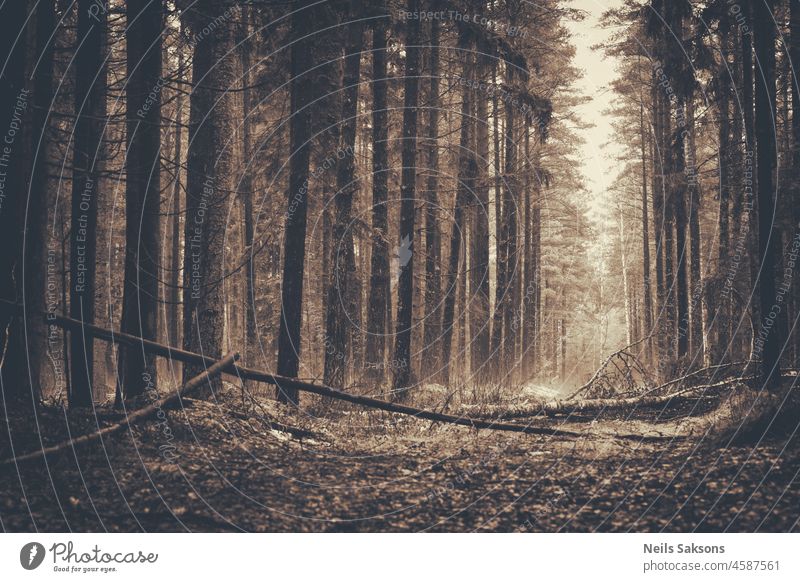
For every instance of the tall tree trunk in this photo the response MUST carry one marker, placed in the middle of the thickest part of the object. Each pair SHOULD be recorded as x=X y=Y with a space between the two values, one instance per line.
x=646 y=288
x=466 y=177
x=659 y=196
x=536 y=262
x=510 y=210
x=13 y=107
x=526 y=304
x=794 y=55
x=90 y=94
x=209 y=184
x=722 y=312
x=246 y=191
x=175 y=251
x=379 y=284
x=35 y=240
x=23 y=219
x=696 y=283
x=748 y=101
x=295 y=235
x=339 y=303
x=500 y=243
x=768 y=342
x=405 y=285
x=679 y=200
x=479 y=266
x=433 y=286
x=137 y=369
x=626 y=295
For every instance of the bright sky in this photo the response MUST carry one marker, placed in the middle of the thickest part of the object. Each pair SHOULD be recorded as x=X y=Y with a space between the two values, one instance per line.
x=599 y=152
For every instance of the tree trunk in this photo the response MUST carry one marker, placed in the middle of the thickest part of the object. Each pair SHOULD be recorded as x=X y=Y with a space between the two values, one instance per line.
x=479 y=268
x=433 y=286
x=526 y=304
x=696 y=283
x=794 y=55
x=379 y=285
x=625 y=285
x=295 y=234
x=175 y=251
x=246 y=193
x=768 y=340
x=209 y=184
x=405 y=285
x=466 y=176
x=339 y=303
x=510 y=209
x=500 y=243
x=679 y=200
x=13 y=106
x=36 y=248
x=722 y=313
x=646 y=288
x=90 y=95
x=137 y=369
x=23 y=219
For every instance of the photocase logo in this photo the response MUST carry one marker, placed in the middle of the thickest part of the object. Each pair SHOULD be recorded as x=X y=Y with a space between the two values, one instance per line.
x=403 y=251
x=31 y=555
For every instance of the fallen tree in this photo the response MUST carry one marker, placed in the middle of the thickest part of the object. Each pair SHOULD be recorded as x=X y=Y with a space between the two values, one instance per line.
x=146 y=412
x=601 y=404
x=282 y=382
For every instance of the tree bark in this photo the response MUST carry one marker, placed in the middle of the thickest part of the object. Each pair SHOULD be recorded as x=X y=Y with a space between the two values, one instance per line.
x=480 y=322
x=339 y=304
x=696 y=284
x=246 y=192
x=405 y=285
x=465 y=185
x=379 y=288
x=646 y=287
x=90 y=95
x=433 y=287
x=768 y=339
x=794 y=55
x=510 y=210
x=500 y=243
x=175 y=251
x=302 y=94
x=137 y=370
x=209 y=183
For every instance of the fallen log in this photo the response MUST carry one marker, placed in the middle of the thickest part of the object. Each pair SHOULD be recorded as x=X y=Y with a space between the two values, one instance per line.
x=598 y=404
x=137 y=415
x=282 y=382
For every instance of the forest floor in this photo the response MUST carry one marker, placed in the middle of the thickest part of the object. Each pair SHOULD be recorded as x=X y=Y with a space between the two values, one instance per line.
x=218 y=466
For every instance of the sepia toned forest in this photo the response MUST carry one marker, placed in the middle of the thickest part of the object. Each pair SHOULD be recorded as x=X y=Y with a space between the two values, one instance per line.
x=342 y=265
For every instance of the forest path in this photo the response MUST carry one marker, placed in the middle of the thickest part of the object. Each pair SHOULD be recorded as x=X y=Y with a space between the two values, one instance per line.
x=372 y=471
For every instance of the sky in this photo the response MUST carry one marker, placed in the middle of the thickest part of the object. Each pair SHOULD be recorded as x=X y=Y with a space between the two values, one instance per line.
x=599 y=150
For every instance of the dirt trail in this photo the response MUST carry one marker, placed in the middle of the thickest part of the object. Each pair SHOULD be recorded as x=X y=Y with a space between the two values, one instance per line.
x=212 y=469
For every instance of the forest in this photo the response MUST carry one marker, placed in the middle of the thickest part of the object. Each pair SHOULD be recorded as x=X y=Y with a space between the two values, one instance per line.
x=345 y=265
